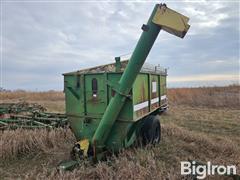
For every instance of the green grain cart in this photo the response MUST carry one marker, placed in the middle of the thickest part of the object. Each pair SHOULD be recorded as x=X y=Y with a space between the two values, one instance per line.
x=110 y=107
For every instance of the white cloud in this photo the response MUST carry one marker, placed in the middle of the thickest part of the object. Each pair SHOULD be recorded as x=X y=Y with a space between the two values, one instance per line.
x=52 y=38
x=206 y=15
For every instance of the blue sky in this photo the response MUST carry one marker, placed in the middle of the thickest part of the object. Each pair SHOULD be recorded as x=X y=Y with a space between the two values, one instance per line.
x=43 y=39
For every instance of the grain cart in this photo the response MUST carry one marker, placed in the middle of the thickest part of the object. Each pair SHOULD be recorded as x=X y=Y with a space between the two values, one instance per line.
x=110 y=107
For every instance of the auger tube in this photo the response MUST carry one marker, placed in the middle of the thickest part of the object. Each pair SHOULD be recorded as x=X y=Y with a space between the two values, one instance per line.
x=139 y=55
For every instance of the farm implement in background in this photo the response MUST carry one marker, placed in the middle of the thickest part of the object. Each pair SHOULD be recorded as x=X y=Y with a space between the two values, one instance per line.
x=29 y=116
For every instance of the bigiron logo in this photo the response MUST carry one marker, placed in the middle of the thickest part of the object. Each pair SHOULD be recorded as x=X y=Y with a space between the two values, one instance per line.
x=201 y=171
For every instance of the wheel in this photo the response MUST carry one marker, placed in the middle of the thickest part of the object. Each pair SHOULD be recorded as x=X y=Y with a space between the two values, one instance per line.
x=151 y=130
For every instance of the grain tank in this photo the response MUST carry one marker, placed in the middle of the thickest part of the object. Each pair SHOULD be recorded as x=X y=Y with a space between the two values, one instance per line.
x=112 y=106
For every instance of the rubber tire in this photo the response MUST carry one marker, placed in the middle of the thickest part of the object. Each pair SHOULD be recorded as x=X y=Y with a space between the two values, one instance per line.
x=151 y=130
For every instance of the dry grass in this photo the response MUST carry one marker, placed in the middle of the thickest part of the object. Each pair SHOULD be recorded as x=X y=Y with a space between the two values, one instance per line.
x=189 y=131
x=15 y=143
x=147 y=163
x=216 y=97
x=52 y=100
x=32 y=96
x=180 y=142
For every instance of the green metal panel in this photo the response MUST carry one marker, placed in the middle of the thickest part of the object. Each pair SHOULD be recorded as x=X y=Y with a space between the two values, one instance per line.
x=126 y=114
x=85 y=112
x=140 y=96
x=119 y=137
x=154 y=95
x=96 y=102
x=163 y=89
x=73 y=94
x=74 y=100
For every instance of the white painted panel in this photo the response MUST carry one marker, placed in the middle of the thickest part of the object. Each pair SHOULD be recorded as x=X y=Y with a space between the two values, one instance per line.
x=155 y=100
x=163 y=97
x=154 y=87
x=140 y=106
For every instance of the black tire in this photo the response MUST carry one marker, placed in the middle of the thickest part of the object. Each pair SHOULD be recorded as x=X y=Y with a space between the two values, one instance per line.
x=151 y=130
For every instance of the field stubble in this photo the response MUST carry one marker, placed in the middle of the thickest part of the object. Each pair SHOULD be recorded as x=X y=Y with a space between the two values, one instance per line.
x=197 y=126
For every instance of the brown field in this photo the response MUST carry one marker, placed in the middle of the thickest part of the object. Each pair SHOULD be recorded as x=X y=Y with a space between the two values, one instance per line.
x=52 y=100
x=202 y=124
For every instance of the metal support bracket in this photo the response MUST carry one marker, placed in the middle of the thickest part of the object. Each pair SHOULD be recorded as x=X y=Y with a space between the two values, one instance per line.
x=115 y=87
x=73 y=92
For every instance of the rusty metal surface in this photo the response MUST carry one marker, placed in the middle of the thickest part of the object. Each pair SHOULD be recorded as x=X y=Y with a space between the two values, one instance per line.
x=147 y=68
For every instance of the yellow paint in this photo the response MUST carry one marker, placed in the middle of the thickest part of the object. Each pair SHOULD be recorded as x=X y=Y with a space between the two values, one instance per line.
x=171 y=21
x=84 y=145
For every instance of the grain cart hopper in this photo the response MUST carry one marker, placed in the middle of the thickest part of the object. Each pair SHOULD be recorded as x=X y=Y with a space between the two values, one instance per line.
x=110 y=109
